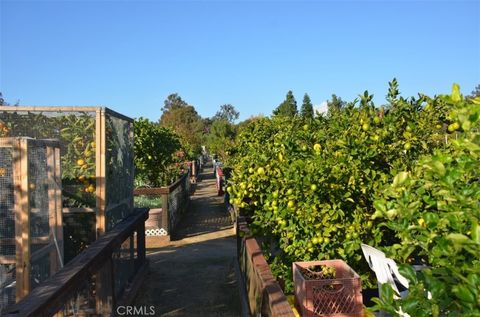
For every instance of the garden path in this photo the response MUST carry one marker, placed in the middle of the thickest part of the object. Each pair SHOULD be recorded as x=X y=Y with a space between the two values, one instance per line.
x=195 y=274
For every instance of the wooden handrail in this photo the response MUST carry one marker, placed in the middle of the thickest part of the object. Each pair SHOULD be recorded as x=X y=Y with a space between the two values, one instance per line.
x=49 y=297
x=65 y=109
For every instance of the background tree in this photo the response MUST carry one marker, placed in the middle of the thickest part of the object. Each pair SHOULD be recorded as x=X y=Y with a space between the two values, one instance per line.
x=185 y=121
x=172 y=102
x=2 y=101
x=475 y=93
x=222 y=131
x=227 y=112
x=221 y=137
x=307 y=107
x=335 y=104
x=288 y=107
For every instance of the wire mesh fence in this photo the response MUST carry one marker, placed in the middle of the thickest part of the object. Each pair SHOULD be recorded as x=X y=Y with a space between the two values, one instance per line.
x=119 y=169
x=178 y=200
x=104 y=277
x=31 y=235
x=96 y=146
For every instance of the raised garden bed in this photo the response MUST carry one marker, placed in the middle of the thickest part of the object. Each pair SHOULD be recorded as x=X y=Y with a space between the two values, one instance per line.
x=264 y=294
x=167 y=206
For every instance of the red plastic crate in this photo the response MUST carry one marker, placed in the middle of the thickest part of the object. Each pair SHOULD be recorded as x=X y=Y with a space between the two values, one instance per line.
x=339 y=297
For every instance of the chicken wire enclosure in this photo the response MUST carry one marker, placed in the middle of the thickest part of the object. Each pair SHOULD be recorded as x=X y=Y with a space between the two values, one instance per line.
x=96 y=146
x=31 y=235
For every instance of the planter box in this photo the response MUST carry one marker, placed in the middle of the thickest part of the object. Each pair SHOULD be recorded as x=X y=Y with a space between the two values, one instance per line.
x=258 y=287
x=163 y=221
x=339 y=297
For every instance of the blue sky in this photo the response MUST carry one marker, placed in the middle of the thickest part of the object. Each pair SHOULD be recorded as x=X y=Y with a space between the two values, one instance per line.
x=129 y=55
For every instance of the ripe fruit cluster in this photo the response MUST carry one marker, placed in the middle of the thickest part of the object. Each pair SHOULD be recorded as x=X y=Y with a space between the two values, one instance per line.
x=434 y=213
x=319 y=272
x=311 y=192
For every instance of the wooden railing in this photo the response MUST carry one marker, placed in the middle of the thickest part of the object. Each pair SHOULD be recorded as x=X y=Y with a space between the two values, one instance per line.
x=101 y=278
x=264 y=295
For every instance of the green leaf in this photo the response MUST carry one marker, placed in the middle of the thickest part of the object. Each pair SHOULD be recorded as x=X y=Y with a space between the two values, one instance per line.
x=410 y=305
x=437 y=167
x=464 y=293
x=386 y=292
x=400 y=178
x=457 y=237
x=408 y=272
x=476 y=100
x=476 y=232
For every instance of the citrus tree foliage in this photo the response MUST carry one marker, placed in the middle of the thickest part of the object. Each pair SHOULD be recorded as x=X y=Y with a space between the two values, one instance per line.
x=434 y=212
x=155 y=148
x=310 y=188
x=288 y=107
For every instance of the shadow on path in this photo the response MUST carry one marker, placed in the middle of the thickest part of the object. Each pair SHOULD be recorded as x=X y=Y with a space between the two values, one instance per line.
x=195 y=274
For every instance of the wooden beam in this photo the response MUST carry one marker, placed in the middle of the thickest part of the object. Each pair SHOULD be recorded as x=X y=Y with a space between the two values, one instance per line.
x=50 y=296
x=49 y=108
x=57 y=179
x=79 y=210
x=151 y=191
x=7 y=259
x=100 y=170
x=22 y=221
x=52 y=220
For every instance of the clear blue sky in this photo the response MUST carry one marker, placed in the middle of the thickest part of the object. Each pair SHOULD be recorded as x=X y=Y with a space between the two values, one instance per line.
x=129 y=55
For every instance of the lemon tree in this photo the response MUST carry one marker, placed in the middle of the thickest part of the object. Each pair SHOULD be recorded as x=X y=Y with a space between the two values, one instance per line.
x=309 y=186
x=434 y=212
x=155 y=149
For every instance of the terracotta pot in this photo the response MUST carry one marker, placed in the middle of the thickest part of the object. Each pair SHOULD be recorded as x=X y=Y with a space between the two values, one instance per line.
x=154 y=219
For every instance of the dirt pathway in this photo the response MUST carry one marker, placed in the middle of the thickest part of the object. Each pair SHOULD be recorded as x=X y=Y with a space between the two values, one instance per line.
x=195 y=274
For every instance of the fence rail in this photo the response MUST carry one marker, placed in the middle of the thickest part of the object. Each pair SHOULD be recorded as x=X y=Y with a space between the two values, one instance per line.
x=94 y=283
x=264 y=295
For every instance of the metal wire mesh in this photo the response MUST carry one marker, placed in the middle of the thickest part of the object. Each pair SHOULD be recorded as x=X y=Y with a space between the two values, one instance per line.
x=38 y=191
x=79 y=232
x=124 y=265
x=40 y=271
x=38 y=185
x=7 y=286
x=7 y=229
x=119 y=169
x=76 y=133
x=7 y=214
x=82 y=302
x=177 y=202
